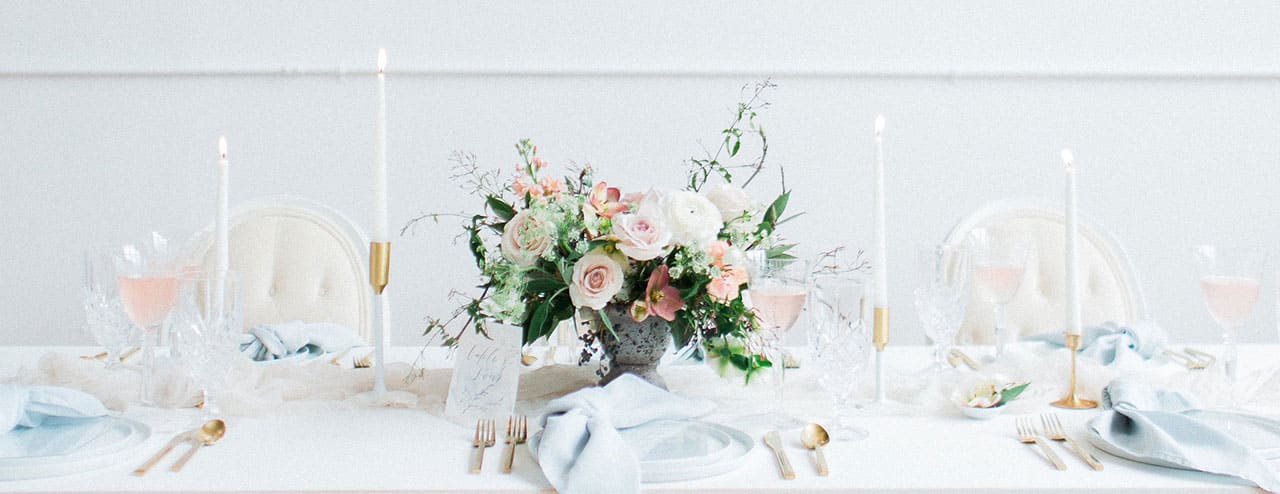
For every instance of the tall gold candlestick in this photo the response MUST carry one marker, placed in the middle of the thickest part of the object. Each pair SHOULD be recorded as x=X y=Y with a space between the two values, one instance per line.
x=880 y=334
x=1071 y=400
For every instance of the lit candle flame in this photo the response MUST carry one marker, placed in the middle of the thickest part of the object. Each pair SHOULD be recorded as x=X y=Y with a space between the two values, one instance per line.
x=879 y=125
x=222 y=148
x=382 y=60
x=1069 y=160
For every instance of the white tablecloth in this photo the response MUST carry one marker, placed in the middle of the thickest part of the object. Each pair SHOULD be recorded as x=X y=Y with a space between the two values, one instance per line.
x=402 y=450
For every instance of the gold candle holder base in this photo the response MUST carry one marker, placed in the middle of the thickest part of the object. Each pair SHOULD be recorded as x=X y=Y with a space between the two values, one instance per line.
x=379 y=265
x=1071 y=400
x=880 y=335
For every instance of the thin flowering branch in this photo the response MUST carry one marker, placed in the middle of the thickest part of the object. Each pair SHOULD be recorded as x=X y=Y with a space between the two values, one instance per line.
x=701 y=169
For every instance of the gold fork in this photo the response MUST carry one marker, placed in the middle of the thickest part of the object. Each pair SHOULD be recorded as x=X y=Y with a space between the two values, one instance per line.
x=364 y=362
x=1027 y=434
x=486 y=435
x=1053 y=430
x=517 y=434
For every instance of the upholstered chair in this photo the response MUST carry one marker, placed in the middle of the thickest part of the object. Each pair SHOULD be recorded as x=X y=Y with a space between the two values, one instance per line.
x=1109 y=288
x=298 y=260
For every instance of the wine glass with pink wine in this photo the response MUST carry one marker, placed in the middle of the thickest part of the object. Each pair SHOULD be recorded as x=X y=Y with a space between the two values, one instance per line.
x=777 y=291
x=1231 y=282
x=999 y=259
x=147 y=278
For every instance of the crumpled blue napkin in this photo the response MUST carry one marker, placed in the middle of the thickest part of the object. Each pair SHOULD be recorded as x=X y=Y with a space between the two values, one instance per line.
x=580 y=449
x=1113 y=344
x=277 y=341
x=46 y=420
x=1167 y=428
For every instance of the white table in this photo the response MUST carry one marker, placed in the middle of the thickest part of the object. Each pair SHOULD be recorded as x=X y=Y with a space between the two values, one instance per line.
x=398 y=450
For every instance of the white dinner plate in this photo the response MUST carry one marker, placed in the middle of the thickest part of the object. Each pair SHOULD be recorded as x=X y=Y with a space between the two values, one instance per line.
x=674 y=450
x=102 y=443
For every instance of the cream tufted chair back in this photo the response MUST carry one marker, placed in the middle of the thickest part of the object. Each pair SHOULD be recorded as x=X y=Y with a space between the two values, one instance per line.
x=298 y=261
x=1109 y=287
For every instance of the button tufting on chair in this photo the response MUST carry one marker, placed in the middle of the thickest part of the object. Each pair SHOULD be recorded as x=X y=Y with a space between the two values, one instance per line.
x=1109 y=287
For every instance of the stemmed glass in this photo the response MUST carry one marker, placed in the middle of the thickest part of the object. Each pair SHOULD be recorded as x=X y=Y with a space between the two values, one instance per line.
x=147 y=279
x=778 y=289
x=999 y=264
x=206 y=326
x=840 y=345
x=104 y=317
x=942 y=297
x=1230 y=281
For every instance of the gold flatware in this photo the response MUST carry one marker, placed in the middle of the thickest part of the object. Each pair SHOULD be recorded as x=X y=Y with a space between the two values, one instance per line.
x=178 y=439
x=133 y=350
x=1187 y=361
x=774 y=441
x=486 y=436
x=207 y=435
x=956 y=355
x=527 y=359
x=1027 y=434
x=336 y=360
x=815 y=437
x=1053 y=430
x=364 y=362
x=99 y=356
x=517 y=434
x=1206 y=359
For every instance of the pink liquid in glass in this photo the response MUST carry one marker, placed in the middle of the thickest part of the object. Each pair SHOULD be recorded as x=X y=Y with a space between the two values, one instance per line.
x=147 y=300
x=778 y=307
x=1230 y=298
x=1002 y=281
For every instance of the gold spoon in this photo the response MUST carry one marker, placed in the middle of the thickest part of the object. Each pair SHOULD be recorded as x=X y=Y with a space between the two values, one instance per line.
x=815 y=437
x=208 y=434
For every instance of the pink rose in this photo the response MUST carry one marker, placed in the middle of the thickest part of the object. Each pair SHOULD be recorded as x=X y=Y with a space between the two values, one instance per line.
x=522 y=242
x=597 y=277
x=641 y=236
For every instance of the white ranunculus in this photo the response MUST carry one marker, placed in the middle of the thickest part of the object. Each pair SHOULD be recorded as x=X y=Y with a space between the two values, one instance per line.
x=731 y=201
x=641 y=236
x=597 y=277
x=522 y=243
x=694 y=221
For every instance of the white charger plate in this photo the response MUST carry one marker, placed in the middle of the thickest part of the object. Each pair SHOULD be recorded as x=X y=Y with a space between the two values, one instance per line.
x=106 y=443
x=674 y=450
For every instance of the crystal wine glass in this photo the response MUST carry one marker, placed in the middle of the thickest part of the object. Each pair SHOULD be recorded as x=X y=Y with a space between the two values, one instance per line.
x=942 y=296
x=207 y=323
x=840 y=345
x=777 y=291
x=999 y=265
x=147 y=279
x=1230 y=280
x=104 y=317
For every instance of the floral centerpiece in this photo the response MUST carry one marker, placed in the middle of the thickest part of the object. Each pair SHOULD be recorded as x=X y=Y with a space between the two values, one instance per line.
x=553 y=246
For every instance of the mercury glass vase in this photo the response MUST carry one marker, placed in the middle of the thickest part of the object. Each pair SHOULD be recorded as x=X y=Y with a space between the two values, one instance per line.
x=634 y=347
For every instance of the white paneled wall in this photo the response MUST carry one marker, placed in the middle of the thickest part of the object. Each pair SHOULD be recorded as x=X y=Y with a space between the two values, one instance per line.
x=109 y=114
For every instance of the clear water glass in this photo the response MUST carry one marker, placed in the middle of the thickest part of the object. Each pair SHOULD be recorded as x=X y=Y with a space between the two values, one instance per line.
x=1231 y=282
x=999 y=260
x=942 y=296
x=207 y=324
x=840 y=346
x=104 y=316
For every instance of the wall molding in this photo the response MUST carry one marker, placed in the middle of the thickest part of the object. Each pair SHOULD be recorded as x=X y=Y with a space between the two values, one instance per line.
x=677 y=73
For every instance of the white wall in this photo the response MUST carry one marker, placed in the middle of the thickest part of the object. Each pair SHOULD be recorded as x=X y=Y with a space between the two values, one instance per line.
x=109 y=113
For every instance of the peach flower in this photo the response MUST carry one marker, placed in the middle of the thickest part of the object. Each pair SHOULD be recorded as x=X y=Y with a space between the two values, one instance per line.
x=522 y=244
x=597 y=277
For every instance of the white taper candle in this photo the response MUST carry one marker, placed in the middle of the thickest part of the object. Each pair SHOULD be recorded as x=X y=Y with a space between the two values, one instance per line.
x=380 y=155
x=1073 y=255
x=223 y=261
x=878 y=258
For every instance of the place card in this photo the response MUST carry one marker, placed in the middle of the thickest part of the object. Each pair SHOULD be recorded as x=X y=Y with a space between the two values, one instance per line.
x=486 y=374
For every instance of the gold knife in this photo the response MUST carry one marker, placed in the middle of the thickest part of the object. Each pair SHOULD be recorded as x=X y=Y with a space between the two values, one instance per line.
x=142 y=470
x=774 y=441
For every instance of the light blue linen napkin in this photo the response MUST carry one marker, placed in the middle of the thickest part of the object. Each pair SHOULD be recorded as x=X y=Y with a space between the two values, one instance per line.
x=1167 y=428
x=580 y=449
x=277 y=341
x=46 y=420
x=1113 y=344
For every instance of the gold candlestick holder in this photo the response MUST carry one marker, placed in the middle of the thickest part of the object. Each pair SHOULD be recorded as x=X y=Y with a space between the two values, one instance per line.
x=880 y=335
x=1071 y=400
x=379 y=265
